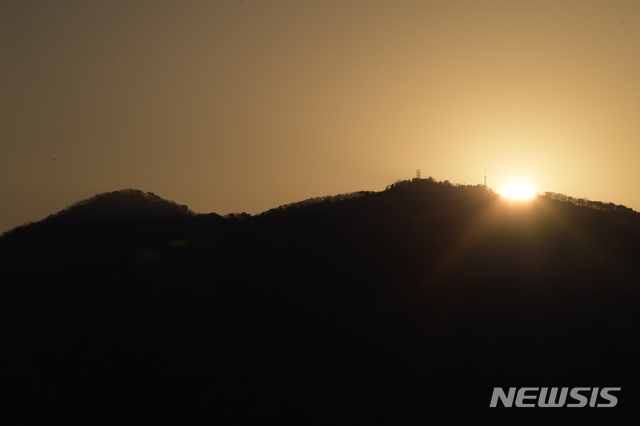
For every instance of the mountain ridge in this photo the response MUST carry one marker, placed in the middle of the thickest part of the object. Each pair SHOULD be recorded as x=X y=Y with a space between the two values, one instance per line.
x=135 y=203
x=408 y=304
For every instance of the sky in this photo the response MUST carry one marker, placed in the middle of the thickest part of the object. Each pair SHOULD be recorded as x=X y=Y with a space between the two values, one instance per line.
x=242 y=106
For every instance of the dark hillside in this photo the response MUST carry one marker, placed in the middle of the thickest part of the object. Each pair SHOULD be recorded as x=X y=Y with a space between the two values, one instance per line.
x=407 y=306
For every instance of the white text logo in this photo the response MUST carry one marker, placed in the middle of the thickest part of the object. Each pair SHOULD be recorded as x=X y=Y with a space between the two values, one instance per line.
x=543 y=397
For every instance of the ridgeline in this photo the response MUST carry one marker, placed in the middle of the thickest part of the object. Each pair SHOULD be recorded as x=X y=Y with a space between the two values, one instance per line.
x=407 y=305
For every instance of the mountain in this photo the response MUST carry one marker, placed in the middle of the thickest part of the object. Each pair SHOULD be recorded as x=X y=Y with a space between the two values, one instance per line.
x=408 y=305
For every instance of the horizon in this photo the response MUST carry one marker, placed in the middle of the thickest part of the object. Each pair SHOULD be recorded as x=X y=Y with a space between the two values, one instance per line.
x=415 y=301
x=515 y=197
x=510 y=195
x=244 y=106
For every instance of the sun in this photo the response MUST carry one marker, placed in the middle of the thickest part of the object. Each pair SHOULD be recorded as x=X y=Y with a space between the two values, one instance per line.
x=518 y=191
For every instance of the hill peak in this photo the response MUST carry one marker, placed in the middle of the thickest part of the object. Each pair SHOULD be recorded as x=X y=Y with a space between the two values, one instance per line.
x=130 y=203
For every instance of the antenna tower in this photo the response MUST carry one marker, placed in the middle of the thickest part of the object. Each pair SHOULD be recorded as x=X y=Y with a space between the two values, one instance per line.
x=418 y=174
x=485 y=176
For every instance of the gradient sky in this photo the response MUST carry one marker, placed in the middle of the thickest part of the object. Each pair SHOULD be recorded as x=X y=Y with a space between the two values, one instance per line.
x=231 y=106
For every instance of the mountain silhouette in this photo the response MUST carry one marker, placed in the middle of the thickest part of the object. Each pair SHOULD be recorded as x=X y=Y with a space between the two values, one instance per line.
x=403 y=306
x=126 y=203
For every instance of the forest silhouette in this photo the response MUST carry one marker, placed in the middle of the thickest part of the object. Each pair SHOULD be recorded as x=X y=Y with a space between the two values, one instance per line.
x=407 y=305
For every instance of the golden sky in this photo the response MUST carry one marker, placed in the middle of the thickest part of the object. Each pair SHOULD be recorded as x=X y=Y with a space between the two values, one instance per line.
x=231 y=106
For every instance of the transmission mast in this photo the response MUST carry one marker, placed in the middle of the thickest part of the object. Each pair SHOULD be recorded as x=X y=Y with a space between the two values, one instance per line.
x=418 y=174
x=485 y=177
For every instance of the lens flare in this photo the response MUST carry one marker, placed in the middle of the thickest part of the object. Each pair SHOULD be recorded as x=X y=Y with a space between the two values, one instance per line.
x=518 y=191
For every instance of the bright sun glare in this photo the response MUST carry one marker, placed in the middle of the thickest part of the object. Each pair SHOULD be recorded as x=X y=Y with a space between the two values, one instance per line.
x=518 y=191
